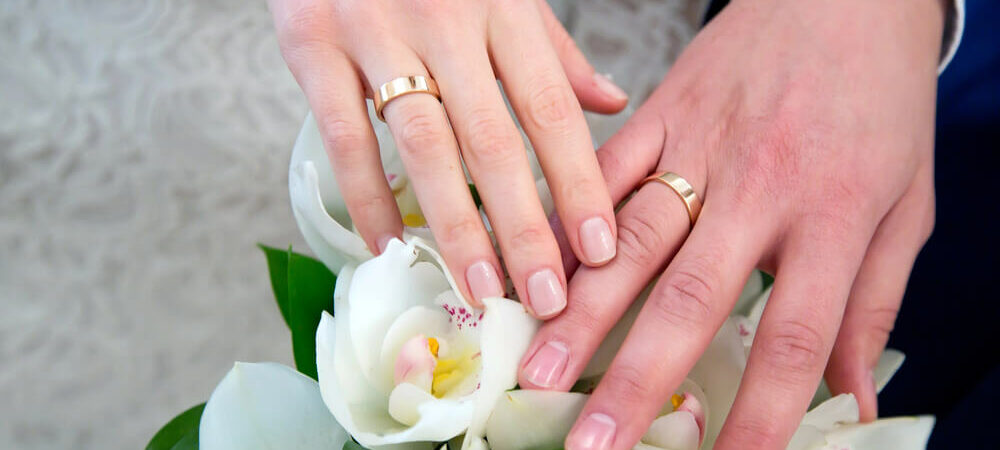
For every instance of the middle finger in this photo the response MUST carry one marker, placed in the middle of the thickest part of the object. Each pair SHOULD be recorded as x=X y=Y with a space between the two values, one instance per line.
x=494 y=152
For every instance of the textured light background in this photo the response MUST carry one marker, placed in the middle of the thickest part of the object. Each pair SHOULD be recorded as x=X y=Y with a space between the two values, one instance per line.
x=143 y=152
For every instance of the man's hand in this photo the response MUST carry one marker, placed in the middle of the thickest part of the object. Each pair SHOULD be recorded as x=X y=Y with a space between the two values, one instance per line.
x=807 y=129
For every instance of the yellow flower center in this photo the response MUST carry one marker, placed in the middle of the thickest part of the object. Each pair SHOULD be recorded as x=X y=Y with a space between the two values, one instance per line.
x=450 y=372
x=676 y=401
x=414 y=220
x=434 y=346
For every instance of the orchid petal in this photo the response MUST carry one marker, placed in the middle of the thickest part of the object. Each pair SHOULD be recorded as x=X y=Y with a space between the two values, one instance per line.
x=405 y=401
x=369 y=420
x=507 y=330
x=613 y=341
x=719 y=371
x=530 y=419
x=751 y=290
x=898 y=433
x=675 y=431
x=414 y=365
x=341 y=387
x=266 y=406
x=417 y=321
x=329 y=239
x=383 y=288
x=842 y=409
x=888 y=363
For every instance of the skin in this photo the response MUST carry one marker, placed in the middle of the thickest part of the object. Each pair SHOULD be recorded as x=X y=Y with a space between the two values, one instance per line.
x=805 y=126
x=339 y=50
x=807 y=129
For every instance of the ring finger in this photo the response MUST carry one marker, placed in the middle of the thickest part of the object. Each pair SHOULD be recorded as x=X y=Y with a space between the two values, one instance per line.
x=651 y=227
x=494 y=152
x=430 y=153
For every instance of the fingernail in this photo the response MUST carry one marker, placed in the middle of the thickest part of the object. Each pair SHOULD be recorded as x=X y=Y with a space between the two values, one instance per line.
x=596 y=240
x=545 y=293
x=383 y=242
x=547 y=364
x=596 y=432
x=608 y=87
x=483 y=281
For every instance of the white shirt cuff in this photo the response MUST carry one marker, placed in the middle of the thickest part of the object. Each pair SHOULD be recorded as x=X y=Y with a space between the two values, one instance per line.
x=954 y=25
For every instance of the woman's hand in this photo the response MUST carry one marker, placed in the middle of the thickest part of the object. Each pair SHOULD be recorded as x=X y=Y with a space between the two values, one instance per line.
x=807 y=127
x=341 y=50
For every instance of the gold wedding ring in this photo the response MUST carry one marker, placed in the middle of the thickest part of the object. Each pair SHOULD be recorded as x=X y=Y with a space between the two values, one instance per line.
x=683 y=189
x=401 y=86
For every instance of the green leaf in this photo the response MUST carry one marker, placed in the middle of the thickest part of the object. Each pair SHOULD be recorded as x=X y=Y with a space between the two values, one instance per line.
x=277 y=265
x=188 y=442
x=351 y=445
x=310 y=292
x=475 y=195
x=180 y=433
x=768 y=279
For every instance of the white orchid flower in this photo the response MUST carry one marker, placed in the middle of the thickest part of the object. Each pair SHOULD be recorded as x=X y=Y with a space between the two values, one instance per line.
x=405 y=359
x=267 y=406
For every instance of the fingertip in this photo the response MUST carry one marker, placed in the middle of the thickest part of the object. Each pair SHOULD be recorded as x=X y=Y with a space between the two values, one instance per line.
x=484 y=281
x=597 y=242
x=545 y=367
x=546 y=294
x=610 y=90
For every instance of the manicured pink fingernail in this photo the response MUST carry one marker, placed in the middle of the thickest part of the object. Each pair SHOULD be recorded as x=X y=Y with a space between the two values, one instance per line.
x=596 y=239
x=609 y=88
x=483 y=280
x=547 y=364
x=595 y=433
x=383 y=242
x=546 y=293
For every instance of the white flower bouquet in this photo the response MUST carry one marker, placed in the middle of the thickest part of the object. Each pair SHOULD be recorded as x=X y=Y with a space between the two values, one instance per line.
x=389 y=354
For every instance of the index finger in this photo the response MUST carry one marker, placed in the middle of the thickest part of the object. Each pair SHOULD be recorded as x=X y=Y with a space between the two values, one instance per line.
x=686 y=307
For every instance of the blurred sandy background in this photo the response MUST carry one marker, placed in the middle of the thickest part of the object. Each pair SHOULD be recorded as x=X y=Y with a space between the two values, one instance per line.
x=143 y=153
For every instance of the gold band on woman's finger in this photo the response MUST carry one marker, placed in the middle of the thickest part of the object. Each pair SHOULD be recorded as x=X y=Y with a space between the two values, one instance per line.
x=401 y=86
x=683 y=189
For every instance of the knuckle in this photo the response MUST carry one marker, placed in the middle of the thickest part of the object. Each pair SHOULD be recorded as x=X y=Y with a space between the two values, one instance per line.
x=460 y=230
x=793 y=348
x=628 y=384
x=421 y=133
x=639 y=238
x=493 y=141
x=550 y=106
x=581 y=191
x=756 y=432
x=302 y=25
x=367 y=207
x=683 y=298
x=580 y=316
x=881 y=321
x=344 y=137
x=529 y=237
